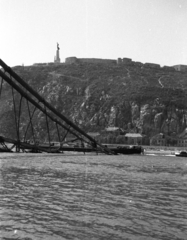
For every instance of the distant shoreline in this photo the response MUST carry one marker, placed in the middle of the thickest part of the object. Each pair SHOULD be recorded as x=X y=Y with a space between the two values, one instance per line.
x=156 y=150
x=159 y=152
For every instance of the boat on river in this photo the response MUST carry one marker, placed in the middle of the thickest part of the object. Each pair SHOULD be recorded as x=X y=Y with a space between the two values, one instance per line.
x=181 y=154
x=128 y=149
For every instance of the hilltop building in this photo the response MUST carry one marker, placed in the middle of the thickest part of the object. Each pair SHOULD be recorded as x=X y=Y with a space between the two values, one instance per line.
x=124 y=62
x=180 y=67
x=119 y=61
x=57 y=57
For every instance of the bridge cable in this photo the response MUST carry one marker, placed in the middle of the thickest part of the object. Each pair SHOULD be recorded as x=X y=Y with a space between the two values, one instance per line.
x=15 y=113
x=1 y=87
x=47 y=127
x=30 y=122
x=58 y=134
x=19 y=116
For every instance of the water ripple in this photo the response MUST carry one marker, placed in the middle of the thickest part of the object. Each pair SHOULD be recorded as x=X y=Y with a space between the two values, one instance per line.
x=45 y=196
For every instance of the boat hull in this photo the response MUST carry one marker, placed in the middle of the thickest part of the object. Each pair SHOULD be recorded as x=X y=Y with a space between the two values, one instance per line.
x=181 y=154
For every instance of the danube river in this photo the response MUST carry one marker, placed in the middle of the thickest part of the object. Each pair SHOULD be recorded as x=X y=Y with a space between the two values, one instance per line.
x=87 y=197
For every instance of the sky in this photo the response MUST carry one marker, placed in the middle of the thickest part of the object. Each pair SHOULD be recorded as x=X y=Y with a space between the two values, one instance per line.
x=152 y=31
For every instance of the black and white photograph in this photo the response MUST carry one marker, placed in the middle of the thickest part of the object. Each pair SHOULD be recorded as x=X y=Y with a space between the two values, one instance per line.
x=93 y=120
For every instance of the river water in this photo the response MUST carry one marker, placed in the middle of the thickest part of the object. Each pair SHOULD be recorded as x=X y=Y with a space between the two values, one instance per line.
x=70 y=196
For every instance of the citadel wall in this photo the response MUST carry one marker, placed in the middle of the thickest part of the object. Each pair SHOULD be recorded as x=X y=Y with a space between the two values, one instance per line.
x=71 y=60
x=119 y=61
x=124 y=61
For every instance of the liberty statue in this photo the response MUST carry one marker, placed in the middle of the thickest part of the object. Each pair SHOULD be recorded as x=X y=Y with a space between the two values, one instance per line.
x=58 y=48
x=57 y=57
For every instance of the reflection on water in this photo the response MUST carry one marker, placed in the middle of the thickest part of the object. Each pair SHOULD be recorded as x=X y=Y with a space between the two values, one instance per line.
x=45 y=196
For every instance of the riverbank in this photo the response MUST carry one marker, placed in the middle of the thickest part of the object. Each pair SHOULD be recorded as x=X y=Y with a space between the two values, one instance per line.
x=157 y=150
x=162 y=150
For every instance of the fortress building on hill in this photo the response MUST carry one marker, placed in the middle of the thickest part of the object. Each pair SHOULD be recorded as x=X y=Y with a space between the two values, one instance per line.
x=71 y=60
x=124 y=61
x=180 y=67
x=119 y=61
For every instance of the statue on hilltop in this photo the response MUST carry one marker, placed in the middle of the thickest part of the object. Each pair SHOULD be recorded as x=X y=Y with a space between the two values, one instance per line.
x=57 y=57
x=58 y=48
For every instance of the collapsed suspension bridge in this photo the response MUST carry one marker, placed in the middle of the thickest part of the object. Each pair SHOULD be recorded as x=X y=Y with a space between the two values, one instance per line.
x=25 y=99
x=31 y=118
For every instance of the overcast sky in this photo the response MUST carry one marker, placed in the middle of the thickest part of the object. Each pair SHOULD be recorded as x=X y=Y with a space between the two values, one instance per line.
x=144 y=30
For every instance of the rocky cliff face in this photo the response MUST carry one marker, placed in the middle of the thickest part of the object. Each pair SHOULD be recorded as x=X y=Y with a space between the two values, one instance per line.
x=133 y=97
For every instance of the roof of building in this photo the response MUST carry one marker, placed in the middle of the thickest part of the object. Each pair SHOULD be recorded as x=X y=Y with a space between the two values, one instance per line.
x=135 y=135
x=110 y=129
x=180 y=65
x=93 y=134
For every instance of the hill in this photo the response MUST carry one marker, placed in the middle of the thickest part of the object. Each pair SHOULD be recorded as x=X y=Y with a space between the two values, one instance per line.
x=134 y=97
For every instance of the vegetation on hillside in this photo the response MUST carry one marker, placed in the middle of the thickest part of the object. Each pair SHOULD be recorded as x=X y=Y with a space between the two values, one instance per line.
x=95 y=96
